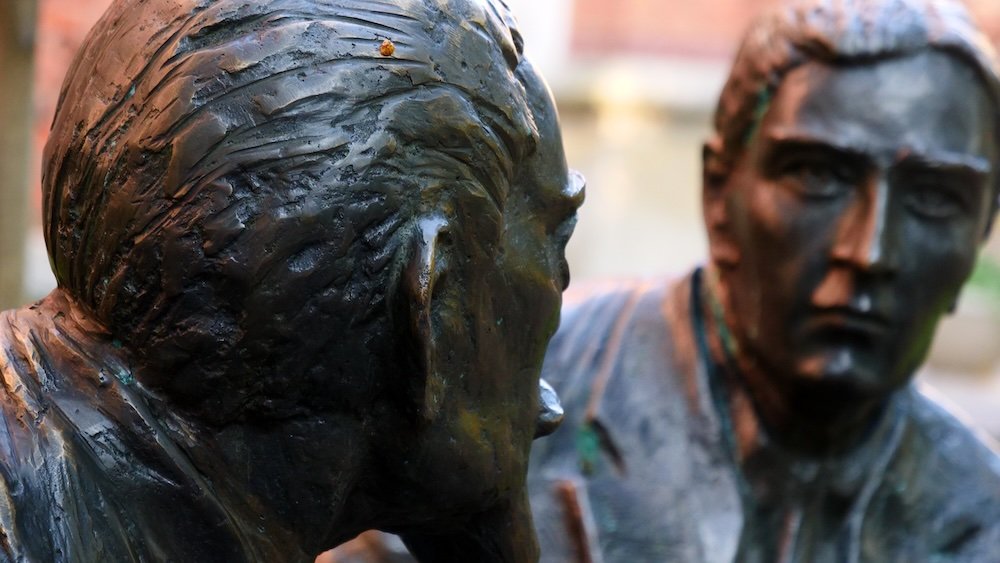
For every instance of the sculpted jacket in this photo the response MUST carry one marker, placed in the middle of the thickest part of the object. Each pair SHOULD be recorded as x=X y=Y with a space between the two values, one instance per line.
x=649 y=466
x=88 y=472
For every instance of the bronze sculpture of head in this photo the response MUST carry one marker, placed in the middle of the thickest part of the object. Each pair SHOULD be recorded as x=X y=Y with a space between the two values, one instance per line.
x=761 y=408
x=850 y=183
x=352 y=207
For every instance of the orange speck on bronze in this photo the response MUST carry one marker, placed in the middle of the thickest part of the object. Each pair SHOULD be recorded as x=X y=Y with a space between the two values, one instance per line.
x=387 y=48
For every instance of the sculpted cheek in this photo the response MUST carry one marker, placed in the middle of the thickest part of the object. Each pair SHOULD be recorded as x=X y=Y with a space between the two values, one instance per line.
x=770 y=212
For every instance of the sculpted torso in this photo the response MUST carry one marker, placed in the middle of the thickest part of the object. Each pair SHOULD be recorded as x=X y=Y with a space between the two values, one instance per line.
x=762 y=410
x=650 y=467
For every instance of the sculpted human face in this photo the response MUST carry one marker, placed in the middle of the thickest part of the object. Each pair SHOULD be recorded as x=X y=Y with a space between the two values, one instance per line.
x=498 y=307
x=854 y=217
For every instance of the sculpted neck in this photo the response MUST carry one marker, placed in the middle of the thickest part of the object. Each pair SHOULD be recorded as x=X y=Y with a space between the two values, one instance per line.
x=295 y=478
x=809 y=418
x=286 y=485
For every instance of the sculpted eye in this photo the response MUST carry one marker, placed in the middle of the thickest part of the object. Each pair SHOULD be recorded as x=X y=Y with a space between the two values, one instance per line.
x=935 y=201
x=817 y=178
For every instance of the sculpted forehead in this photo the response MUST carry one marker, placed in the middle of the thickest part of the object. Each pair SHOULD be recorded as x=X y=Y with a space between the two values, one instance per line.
x=924 y=103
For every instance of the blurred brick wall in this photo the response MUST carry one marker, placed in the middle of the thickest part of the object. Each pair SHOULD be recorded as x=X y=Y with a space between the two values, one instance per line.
x=700 y=28
x=657 y=27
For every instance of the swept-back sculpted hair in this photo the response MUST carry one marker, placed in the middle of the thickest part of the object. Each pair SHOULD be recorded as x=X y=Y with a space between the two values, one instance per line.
x=840 y=32
x=202 y=149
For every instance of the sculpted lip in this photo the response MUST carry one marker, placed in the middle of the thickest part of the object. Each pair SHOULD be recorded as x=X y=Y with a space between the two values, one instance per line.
x=563 y=233
x=846 y=319
x=564 y=274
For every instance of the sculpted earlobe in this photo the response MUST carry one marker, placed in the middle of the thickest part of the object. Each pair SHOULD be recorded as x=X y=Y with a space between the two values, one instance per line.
x=722 y=247
x=425 y=268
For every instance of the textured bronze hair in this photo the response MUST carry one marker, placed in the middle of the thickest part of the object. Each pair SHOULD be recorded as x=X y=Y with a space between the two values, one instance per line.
x=840 y=32
x=217 y=167
x=180 y=119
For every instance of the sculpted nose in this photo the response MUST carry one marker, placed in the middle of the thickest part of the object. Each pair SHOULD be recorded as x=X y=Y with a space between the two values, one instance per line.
x=865 y=237
x=570 y=199
x=575 y=190
x=550 y=410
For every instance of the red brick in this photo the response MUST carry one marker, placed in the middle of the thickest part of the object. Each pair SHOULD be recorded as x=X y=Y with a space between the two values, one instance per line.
x=686 y=27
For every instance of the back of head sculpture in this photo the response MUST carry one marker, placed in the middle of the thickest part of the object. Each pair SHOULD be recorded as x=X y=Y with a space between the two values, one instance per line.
x=300 y=206
x=221 y=171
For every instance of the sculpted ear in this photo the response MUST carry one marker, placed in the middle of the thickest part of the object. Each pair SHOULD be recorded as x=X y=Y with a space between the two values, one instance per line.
x=425 y=268
x=715 y=179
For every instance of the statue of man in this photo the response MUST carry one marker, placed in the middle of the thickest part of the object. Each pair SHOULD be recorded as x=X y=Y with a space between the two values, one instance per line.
x=309 y=257
x=763 y=409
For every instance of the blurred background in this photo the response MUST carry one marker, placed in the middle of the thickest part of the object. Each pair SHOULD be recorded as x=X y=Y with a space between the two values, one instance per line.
x=636 y=82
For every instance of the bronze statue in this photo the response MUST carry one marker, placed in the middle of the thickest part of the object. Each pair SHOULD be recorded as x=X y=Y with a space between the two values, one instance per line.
x=309 y=256
x=763 y=409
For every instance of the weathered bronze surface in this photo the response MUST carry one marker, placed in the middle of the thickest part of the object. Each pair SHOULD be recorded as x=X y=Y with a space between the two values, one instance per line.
x=309 y=256
x=762 y=409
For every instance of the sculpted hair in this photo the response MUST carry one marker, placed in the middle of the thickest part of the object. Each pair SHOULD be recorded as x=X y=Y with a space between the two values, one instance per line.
x=840 y=32
x=185 y=163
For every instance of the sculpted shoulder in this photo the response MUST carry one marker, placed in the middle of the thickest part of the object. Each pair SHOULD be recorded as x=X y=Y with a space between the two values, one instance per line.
x=590 y=314
x=32 y=471
x=955 y=453
x=637 y=441
x=21 y=368
x=947 y=476
x=610 y=332
x=72 y=437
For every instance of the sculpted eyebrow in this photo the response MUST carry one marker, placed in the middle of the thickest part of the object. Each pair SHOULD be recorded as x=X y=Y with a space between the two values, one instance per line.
x=972 y=167
x=778 y=142
x=777 y=146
